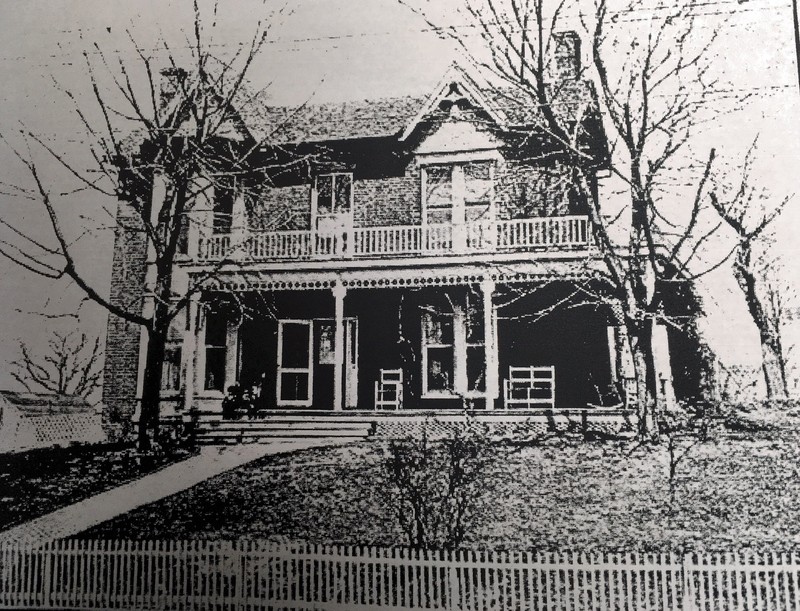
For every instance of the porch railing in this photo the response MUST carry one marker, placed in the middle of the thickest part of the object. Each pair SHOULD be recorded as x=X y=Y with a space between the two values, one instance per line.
x=402 y=240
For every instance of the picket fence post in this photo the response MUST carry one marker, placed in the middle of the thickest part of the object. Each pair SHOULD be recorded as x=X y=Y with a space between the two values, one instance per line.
x=688 y=583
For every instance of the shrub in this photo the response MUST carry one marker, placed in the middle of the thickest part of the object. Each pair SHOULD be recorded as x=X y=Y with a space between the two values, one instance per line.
x=435 y=485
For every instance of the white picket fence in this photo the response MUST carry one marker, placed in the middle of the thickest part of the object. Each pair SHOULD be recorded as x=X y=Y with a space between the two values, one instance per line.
x=252 y=575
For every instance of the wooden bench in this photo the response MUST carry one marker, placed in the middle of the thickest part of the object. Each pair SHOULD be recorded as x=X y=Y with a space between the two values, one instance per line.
x=389 y=389
x=530 y=387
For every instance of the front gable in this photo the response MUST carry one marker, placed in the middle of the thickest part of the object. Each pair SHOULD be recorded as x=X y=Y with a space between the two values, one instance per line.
x=456 y=92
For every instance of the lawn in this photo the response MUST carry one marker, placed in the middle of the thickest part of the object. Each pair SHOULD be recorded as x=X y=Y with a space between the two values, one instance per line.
x=37 y=482
x=742 y=490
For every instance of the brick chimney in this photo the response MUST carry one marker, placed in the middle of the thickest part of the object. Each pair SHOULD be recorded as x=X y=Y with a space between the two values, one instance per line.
x=566 y=60
x=171 y=82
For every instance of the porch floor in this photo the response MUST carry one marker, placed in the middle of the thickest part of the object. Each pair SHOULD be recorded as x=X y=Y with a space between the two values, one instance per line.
x=362 y=424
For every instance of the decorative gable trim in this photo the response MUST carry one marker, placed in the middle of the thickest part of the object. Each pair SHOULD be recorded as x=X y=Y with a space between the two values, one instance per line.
x=456 y=82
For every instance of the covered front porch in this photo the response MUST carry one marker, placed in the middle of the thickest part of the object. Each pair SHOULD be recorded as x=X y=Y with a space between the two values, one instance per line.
x=477 y=345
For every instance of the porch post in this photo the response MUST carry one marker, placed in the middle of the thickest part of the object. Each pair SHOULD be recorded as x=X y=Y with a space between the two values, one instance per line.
x=490 y=343
x=613 y=353
x=189 y=350
x=200 y=358
x=231 y=354
x=339 y=292
x=663 y=366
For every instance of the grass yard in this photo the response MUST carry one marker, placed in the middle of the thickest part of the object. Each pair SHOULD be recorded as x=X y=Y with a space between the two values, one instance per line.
x=37 y=482
x=741 y=490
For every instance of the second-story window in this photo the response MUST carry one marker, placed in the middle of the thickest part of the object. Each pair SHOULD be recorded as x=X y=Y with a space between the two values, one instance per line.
x=439 y=194
x=458 y=193
x=334 y=193
x=477 y=190
x=224 y=194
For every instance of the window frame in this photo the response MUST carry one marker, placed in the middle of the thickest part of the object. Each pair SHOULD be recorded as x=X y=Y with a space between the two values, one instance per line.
x=460 y=382
x=222 y=222
x=309 y=371
x=210 y=348
x=459 y=204
x=315 y=213
x=176 y=348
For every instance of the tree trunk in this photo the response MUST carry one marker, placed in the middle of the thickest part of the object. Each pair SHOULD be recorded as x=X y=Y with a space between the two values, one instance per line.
x=154 y=361
x=772 y=359
x=773 y=366
x=640 y=334
x=151 y=390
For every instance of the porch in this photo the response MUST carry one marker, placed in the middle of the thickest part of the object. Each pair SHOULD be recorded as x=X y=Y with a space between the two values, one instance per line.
x=517 y=235
x=402 y=352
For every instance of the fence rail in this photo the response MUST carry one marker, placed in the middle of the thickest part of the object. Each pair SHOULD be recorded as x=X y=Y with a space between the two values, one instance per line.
x=257 y=575
x=402 y=240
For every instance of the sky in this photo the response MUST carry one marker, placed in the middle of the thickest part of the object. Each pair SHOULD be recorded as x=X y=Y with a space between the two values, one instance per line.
x=327 y=50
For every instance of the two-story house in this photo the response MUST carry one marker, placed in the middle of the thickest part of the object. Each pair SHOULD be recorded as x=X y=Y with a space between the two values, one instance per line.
x=399 y=256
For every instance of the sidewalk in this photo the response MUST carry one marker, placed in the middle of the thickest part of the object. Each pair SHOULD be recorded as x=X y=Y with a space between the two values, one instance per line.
x=211 y=461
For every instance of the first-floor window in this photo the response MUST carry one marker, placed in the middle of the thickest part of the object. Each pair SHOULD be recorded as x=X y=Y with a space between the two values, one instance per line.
x=215 y=347
x=453 y=353
x=438 y=353
x=171 y=370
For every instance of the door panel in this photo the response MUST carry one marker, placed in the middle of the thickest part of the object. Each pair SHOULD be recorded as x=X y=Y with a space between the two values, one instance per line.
x=295 y=370
x=351 y=363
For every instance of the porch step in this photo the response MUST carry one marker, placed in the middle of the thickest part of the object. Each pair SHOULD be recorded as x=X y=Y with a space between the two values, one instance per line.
x=234 y=440
x=264 y=425
x=219 y=431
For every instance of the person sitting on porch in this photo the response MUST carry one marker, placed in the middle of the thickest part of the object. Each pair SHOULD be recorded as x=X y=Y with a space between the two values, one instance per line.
x=232 y=403
x=251 y=401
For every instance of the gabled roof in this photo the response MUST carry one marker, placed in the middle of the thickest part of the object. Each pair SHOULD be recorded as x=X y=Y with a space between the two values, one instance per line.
x=331 y=121
x=456 y=82
x=399 y=116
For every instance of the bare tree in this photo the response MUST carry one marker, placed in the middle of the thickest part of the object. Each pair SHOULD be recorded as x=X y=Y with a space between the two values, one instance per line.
x=181 y=132
x=72 y=365
x=746 y=212
x=650 y=71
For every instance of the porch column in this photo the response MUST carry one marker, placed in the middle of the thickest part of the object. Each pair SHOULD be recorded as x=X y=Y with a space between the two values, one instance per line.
x=339 y=292
x=189 y=351
x=231 y=354
x=614 y=353
x=490 y=343
x=663 y=367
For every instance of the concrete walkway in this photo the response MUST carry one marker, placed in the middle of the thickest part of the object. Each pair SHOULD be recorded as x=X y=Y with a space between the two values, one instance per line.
x=175 y=478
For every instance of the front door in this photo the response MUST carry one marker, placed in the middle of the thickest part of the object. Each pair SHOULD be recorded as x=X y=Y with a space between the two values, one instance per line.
x=295 y=367
x=324 y=332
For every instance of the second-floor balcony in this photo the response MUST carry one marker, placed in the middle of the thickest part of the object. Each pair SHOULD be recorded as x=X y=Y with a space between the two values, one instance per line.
x=517 y=235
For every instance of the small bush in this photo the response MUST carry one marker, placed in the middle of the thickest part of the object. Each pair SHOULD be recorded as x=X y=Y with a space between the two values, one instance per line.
x=434 y=486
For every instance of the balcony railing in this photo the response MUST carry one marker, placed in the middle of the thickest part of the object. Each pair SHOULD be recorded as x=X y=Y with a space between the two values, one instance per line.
x=560 y=232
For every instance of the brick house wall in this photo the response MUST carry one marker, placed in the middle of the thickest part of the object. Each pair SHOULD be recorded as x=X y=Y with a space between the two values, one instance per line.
x=121 y=368
x=282 y=208
x=521 y=191
x=389 y=201
x=525 y=191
